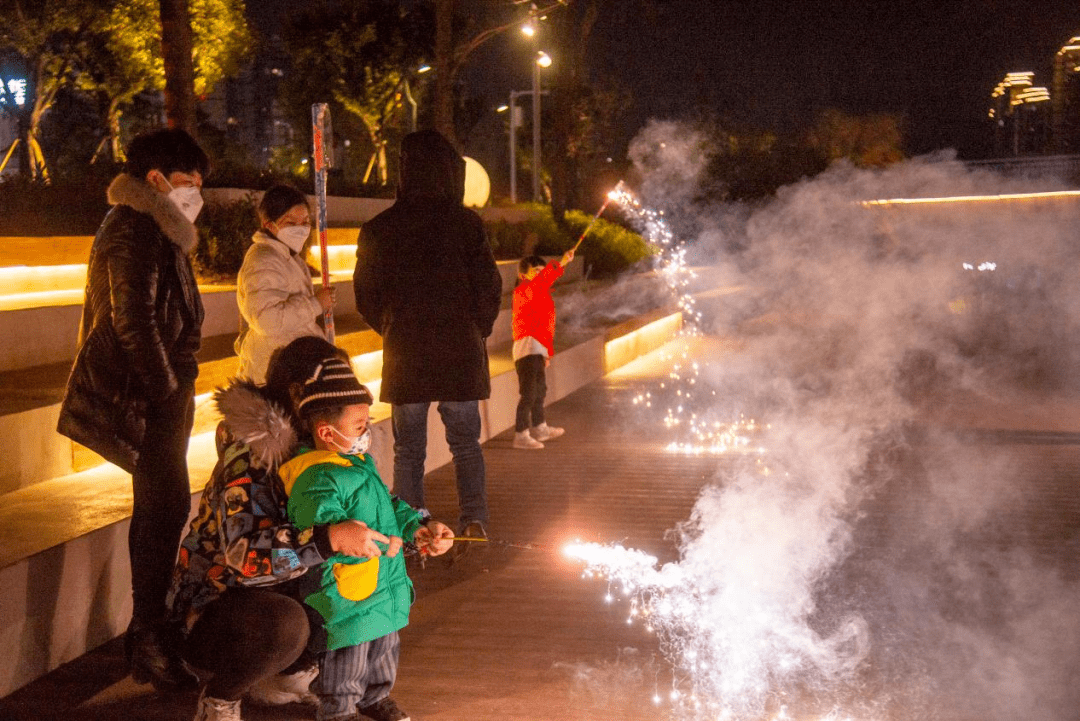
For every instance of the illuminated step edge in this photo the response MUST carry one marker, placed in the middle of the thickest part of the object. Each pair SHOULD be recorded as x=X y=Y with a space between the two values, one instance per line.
x=36 y=286
x=63 y=543
x=368 y=367
x=45 y=330
x=1049 y=195
x=638 y=336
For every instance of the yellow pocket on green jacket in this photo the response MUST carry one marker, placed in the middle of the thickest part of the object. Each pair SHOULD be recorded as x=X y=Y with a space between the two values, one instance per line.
x=356 y=581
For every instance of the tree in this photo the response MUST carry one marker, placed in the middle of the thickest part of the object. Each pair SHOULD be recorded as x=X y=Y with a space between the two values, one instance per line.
x=582 y=116
x=866 y=140
x=48 y=38
x=361 y=58
x=130 y=60
x=453 y=45
x=176 y=53
x=127 y=61
x=112 y=48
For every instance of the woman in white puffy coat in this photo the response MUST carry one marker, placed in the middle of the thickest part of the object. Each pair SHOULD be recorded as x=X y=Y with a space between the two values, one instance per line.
x=278 y=302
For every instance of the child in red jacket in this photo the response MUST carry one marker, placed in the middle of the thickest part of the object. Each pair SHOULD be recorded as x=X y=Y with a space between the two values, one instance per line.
x=534 y=334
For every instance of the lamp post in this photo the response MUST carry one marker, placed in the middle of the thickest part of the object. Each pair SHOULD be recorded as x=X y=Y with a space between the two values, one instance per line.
x=543 y=60
x=515 y=113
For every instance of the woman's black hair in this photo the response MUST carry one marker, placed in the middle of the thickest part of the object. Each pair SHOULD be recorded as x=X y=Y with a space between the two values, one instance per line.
x=278 y=201
x=294 y=363
x=167 y=151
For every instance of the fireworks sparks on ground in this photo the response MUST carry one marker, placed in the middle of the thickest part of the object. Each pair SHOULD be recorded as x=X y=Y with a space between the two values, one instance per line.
x=716 y=437
x=728 y=649
x=732 y=614
x=704 y=434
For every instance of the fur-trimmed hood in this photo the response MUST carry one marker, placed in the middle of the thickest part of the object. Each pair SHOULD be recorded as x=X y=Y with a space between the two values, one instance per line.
x=257 y=421
x=140 y=196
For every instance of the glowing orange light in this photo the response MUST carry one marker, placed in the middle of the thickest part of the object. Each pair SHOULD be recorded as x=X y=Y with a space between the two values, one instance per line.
x=974 y=198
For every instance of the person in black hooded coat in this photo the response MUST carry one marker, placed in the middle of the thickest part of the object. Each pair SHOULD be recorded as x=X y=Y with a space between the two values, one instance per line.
x=130 y=394
x=427 y=282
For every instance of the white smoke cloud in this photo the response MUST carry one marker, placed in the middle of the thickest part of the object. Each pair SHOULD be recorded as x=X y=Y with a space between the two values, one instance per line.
x=874 y=566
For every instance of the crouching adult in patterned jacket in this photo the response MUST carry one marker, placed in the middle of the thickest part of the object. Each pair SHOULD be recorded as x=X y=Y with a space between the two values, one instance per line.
x=129 y=396
x=235 y=595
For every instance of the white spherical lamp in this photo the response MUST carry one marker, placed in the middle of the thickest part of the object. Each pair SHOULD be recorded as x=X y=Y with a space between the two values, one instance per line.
x=477 y=184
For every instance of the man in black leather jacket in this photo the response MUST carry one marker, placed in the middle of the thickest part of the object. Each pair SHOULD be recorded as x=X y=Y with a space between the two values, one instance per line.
x=130 y=396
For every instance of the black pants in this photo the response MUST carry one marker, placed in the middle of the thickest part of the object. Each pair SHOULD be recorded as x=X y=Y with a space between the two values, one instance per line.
x=533 y=387
x=248 y=634
x=162 y=503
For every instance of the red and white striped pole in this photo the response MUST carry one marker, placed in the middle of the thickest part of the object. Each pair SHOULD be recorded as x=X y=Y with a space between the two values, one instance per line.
x=320 y=133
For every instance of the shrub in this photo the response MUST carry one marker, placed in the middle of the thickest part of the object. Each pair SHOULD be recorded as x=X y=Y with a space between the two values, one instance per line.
x=538 y=234
x=609 y=249
x=225 y=232
x=68 y=206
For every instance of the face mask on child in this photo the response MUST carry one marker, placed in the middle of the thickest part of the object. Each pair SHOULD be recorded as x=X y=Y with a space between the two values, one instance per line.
x=356 y=446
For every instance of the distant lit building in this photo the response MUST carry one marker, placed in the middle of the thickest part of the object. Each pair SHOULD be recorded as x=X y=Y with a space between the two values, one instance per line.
x=1020 y=112
x=1066 y=99
x=245 y=107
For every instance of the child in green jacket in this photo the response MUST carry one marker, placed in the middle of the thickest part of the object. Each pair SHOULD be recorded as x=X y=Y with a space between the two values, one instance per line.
x=363 y=601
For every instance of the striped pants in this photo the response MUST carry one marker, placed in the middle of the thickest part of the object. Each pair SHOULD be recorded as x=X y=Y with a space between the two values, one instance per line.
x=356 y=676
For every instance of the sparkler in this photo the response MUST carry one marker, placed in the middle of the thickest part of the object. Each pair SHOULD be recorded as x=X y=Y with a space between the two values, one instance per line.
x=607 y=199
x=412 y=548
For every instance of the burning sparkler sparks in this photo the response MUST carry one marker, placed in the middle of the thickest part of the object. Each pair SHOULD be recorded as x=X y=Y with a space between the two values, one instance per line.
x=725 y=652
x=700 y=434
x=734 y=625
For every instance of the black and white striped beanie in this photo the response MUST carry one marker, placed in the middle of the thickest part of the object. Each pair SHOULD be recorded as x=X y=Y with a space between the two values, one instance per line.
x=332 y=385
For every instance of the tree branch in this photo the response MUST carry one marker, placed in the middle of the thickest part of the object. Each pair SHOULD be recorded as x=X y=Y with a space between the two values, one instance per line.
x=465 y=49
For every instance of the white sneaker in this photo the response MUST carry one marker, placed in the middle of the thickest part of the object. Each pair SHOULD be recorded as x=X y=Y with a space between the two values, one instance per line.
x=285 y=688
x=544 y=432
x=524 y=440
x=217 y=709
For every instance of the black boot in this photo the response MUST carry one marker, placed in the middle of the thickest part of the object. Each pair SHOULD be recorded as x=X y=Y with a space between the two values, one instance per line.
x=152 y=657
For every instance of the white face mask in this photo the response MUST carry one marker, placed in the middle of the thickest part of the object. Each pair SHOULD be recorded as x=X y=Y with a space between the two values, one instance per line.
x=188 y=200
x=294 y=236
x=356 y=446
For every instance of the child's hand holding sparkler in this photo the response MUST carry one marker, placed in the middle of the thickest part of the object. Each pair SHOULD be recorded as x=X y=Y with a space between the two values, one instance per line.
x=434 y=539
x=567 y=258
x=356 y=538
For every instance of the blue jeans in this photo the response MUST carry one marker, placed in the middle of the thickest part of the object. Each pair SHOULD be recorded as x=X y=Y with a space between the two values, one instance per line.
x=462 y=422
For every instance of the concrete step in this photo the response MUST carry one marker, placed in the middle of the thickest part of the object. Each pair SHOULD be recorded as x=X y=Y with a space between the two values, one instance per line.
x=41 y=327
x=31 y=286
x=63 y=542
x=30 y=397
x=30 y=406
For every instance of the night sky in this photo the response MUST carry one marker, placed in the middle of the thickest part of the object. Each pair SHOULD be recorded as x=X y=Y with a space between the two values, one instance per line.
x=773 y=63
